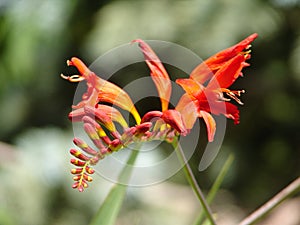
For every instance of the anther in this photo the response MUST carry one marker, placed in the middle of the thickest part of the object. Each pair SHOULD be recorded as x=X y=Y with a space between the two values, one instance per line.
x=234 y=94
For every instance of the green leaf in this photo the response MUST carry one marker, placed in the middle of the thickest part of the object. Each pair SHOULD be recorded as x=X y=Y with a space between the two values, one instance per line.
x=109 y=210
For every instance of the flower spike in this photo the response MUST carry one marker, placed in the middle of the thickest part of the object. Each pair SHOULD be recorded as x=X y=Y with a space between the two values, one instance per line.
x=206 y=92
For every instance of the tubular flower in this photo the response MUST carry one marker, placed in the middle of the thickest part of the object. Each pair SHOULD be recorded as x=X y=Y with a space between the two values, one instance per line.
x=100 y=90
x=220 y=72
x=158 y=73
x=162 y=81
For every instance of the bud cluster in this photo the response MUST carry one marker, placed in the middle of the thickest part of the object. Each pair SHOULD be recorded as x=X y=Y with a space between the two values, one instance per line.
x=106 y=139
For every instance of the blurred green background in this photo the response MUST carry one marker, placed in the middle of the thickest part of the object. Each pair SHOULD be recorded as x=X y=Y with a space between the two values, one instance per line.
x=36 y=39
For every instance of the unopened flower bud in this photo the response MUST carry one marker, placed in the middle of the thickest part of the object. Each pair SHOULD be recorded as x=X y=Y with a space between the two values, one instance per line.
x=115 y=145
x=76 y=170
x=77 y=162
x=84 y=146
x=76 y=115
x=79 y=155
x=101 y=117
x=151 y=115
x=143 y=127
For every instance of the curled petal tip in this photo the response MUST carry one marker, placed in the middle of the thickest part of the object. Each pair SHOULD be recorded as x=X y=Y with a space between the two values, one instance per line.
x=247 y=41
x=82 y=68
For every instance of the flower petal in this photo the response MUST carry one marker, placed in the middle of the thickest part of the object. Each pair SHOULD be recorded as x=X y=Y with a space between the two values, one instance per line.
x=82 y=68
x=190 y=86
x=100 y=117
x=214 y=62
x=206 y=70
x=232 y=112
x=188 y=111
x=174 y=119
x=210 y=124
x=90 y=99
x=113 y=113
x=228 y=73
x=158 y=74
x=111 y=93
x=201 y=73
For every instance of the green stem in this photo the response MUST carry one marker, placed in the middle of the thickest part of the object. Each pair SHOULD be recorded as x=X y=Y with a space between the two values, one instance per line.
x=287 y=192
x=216 y=186
x=191 y=179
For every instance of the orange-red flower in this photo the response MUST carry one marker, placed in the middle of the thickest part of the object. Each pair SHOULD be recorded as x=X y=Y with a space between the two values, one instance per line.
x=99 y=90
x=164 y=88
x=219 y=71
x=158 y=73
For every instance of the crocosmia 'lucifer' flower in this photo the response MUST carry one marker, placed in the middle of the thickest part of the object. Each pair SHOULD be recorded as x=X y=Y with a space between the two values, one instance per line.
x=158 y=73
x=164 y=88
x=100 y=90
x=219 y=72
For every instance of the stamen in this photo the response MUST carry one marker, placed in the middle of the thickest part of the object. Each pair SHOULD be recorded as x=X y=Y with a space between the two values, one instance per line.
x=239 y=92
x=235 y=94
x=221 y=96
x=73 y=78
x=64 y=77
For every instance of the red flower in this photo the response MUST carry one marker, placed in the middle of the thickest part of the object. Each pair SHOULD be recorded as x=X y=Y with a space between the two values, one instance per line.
x=219 y=71
x=158 y=73
x=162 y=81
